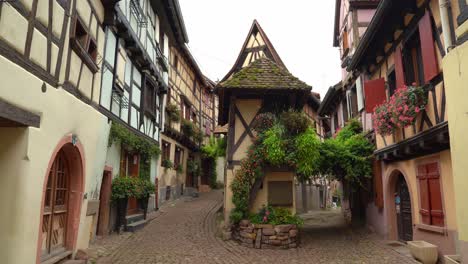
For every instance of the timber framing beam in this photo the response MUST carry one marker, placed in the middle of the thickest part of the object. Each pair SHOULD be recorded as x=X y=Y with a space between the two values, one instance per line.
x=430 y=141
x=11 y=116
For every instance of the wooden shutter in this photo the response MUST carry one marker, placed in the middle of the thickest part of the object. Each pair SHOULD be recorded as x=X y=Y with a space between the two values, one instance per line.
x=433 y=180
x=399 y=73
x=378 y=185
x=429 y=57
x=374 y=91
x=123 y=163
x=424 y=209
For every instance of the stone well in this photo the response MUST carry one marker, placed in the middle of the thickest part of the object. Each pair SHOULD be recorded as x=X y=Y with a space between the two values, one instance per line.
x=266 y=235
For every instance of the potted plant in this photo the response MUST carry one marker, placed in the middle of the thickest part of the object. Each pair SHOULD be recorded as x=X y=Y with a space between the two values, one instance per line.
x=179 y=168
x=123 y=187
x=167 y=163
x=173 y=113
x=145 y=189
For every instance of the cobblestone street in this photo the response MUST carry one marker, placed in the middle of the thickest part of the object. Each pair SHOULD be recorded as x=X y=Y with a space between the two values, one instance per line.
x=185 y=232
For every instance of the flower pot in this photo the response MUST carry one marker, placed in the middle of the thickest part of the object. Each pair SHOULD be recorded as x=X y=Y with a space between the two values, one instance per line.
x=423 y=251
x=121 y=212
x=144 y=205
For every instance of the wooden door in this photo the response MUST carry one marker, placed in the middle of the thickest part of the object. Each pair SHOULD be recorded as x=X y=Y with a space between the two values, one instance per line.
x=133 y=161
x=104 y=204
x=403 y=209
x=55 y=216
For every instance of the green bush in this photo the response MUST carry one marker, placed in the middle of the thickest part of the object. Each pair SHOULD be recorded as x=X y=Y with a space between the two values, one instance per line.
x=216 y=147
x=124 y=187
x=306 y=154
x=295 y=122
x=274 y=146
x=144 y=188
x=275 y=216
x=179 y=168
x=236 y=216
x=187 y=128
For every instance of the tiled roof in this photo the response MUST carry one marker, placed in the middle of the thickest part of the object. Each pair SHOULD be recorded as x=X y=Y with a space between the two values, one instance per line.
x=264 y=74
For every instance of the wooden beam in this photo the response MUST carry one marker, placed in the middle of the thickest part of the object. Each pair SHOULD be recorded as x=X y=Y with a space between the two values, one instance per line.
x=18 y=115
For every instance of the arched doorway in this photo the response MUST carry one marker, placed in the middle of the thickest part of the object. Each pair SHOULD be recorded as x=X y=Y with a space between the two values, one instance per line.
x=61 y=201
x=403 y=209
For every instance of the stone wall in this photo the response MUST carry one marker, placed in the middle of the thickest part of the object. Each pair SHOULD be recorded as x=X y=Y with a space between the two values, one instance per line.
x=266 y=235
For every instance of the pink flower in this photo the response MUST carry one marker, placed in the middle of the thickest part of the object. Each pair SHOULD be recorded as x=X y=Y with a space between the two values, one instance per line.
x=265 y=219
x=416 y=109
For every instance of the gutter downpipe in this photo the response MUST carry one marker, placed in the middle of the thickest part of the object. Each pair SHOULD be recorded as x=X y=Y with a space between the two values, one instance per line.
x=444 y=6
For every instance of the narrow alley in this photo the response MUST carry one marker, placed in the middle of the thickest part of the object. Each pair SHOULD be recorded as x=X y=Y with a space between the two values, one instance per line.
x=185 y=232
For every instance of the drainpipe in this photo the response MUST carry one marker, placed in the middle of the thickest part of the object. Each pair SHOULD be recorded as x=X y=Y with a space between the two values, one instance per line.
x=444 y=6
x=163 y=111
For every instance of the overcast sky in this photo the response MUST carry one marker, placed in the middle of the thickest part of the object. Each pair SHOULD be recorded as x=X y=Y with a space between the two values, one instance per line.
x=301 y=32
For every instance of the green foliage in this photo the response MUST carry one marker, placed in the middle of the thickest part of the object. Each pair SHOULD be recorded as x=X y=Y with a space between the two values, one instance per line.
x=187 y=128
x=132 y=141
x=144 y=188
x=167 y=163
x=216 y=147
x=197 y=134
x=295 y=122
x=179 y=168
x=273 y=145
x=307 y=153
x=212 y=177
x=263 y=122
x=275 y=216
x=173 y=113
x=124 y=187
x=135 y=143
x=348 y=156
x=193 y=167
x=236 y=216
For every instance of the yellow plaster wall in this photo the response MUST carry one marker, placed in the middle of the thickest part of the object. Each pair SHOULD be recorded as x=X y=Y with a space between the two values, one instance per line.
x=262 y=195
x=169 y=177
x=24 y=168
x=409 y=170
x=455 y=65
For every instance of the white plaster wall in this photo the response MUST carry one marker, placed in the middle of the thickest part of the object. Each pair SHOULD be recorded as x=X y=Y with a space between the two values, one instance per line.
x=220 y=167
x=24 y=168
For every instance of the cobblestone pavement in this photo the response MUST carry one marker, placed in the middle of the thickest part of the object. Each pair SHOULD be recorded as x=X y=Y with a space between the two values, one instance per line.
x=186 y=233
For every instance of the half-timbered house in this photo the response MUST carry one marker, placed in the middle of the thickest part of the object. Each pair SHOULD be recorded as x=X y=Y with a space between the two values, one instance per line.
x=403 y=45
x=52 y=137
x=258 y=81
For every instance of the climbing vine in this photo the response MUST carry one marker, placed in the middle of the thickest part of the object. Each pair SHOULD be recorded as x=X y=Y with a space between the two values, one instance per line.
x=135 y=143
x=287 y=139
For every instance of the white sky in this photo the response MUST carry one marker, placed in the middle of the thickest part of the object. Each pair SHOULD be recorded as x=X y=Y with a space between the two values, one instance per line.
x=301 y=32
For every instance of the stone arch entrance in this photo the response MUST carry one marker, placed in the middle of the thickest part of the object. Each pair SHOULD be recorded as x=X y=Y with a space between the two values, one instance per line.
x=399 y=206
x=62 y=197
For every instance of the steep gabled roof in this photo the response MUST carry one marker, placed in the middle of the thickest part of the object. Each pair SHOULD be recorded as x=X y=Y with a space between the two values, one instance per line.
x=264 y=74
x=256 y=42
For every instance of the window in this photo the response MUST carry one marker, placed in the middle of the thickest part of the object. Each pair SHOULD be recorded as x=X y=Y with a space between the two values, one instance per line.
x=430 y=194
x=194 y=118
x=412 y=61
x=207 y=127
x=84 y=44
x=176 y=62
x=165 y=151
x=150 y=99
x=345 y=43
x=178 y=156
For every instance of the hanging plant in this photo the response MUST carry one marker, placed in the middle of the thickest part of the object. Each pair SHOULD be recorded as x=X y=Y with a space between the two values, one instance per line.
x=263 y=122
x=400 y=111
x=167 y=163
x=173 y=113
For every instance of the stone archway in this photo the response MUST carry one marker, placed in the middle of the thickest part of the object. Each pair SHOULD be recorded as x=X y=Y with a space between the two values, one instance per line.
x=399 y=203
x=68 y=161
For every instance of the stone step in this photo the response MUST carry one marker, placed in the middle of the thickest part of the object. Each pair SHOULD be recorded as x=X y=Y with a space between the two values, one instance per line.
x=58 y=257
x=136 y=226
x=134 y=218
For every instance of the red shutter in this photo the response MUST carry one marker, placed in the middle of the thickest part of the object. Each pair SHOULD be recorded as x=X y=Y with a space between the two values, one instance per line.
x=375 y=93
x=433 y=178
x=378 y=186
x=399 y=73
x=424 y=195
x=427 y=48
